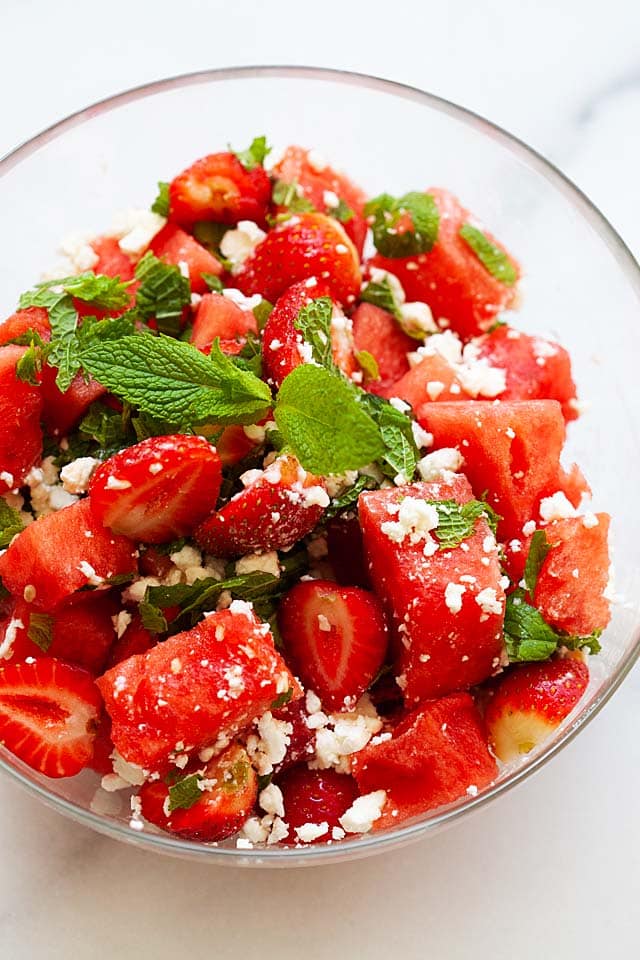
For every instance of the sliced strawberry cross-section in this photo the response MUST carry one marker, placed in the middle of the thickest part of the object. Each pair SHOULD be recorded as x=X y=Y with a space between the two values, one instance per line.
x=219 y=188
x=49 y=714
x=159 y=489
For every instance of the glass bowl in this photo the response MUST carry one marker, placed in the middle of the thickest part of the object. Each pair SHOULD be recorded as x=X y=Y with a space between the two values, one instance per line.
x=581 y=284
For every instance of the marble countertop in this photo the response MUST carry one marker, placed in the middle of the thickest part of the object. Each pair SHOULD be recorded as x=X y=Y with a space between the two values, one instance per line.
x=551 y=869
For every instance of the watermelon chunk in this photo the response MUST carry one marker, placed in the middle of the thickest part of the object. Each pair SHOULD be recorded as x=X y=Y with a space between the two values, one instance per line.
x=176 y=246
x=446 y=609
x=20 y=432
x=437 y=754
x=376 y=331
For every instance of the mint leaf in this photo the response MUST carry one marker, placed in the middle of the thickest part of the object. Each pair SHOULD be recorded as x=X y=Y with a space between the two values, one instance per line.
x=175 y=382
x=10 y=523
x=288 y=195
x=381 y=295
x=111 y=328
x=202 y=595
x=282 y=700
x=250 y=357
x=349 y=498
x=152 y=617
x=389 y=212
x=105 y=426
x=368 y=363
x=491 y=256
x=314 y=323
x=591 y=643
x=40 y=630
x=102 y=292
x=323 y=422
x=255 y=155
x=185 y=793
x=342 y=212
x=529 y=637
x=538 y=550
x=262 y=311
x=29 y=366
x=213 y=282
x=400 y=454
x=163 y=293
x=161 y=203
x=63 y=348
x=456 y=521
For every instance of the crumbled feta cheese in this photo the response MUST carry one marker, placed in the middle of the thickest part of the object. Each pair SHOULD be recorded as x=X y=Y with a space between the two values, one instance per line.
x=271 y=800
x=529 y=528
x=239 y=244
x=75 y=476
x=88 y=571
x=240 y=300
x=416 y=319
x=590 y=520
x=7 y=478
x=260 y=562
x=422 y=438
x=77 y=249
x=453 y=596
x=316 y=161
x=121 y=621
x=312 y=702
x=557 y=507
x=434 y=389
x=342 y=734
x=416 y=518
x=379 y=276
x=400 y=405
x=330 y=199
x=363 y=812
x=440 y=464
x=135 y=229
x=46 y=495
x=488 y=601
x=309 y=832
x=337 y=833
x=241 y=608
x=269 y=746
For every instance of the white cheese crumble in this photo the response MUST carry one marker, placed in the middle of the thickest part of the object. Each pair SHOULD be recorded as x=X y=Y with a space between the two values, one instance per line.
x=10 y=634
x=488 y=602
x=75 y=476
x=363 y=812
x=416 y=519
x=239 y=244
x=590 y=520
x=271 y=800
x=135 y=229
x=309 y=832
x=260 y=562
x=557 y=507
x=379 y=276
x=116 y=483
x=120 y=622
x=440 y=464
x=238 y=297
x=340 y=735
x=80 y=253
x=473 y=373
x=47 y=495
x=89 y=572
x=453 y=596
x=416 y=319
x=268 y=747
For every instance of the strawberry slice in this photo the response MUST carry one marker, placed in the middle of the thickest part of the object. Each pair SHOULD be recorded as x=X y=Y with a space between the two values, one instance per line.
x=157 y=490
x=278 y=507
x=231 y=790
x=306 y=245
x=219 y=188
x=49 y=714
x=174 y=245
x=20 y=432
x=218 y=316
x=530 y=701
x=318 y=798
x=336 y=638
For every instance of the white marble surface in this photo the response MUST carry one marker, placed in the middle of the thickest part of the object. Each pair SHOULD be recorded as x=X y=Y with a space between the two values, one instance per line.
x=552 y=869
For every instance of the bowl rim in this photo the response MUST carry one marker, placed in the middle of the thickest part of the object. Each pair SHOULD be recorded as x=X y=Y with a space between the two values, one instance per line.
x=357 y=847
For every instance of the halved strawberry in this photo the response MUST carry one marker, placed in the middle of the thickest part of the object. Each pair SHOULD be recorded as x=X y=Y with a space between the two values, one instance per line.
x=325 y=187
x=219 y=188
x=218 y=316
x=530 y=701
x=317 y=797
x=62 y=552
x=306 y=245
x=377 y=332
x=20 y=432
x=49 y=714
x=336 y=638
x=231 y=790
x=174 y=245
x=282 y=342
x=33 y=318
x=157 y=490
x=278 y=507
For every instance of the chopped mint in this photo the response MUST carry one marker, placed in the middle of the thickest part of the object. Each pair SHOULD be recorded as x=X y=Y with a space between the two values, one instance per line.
x=40 y=630
x=282 y=699
x=163 y=293
x=529 y=637
x=491 y=256
x=381 y=295
x=255 y=155
x=538 y=550
x=288 y=195
x=185 y=793
x=342 y=212
x=161 y=203
x=457 y=521
x=388 y=216
x=213 y=282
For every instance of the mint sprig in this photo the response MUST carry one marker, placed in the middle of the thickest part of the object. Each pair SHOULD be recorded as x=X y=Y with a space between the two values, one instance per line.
x=163 y=293
x=255 y=155
x=288 y=195
x=314 y=323
x=387 y=213
x=491 y=256
x=161 y=203
x=185 y=793
x=381 y=295
x=457 y=521
x=538 y=550
x=40 y=630
x=528 y=636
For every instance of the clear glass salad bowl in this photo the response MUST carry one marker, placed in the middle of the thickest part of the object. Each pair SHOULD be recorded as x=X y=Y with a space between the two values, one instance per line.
x=581 y=284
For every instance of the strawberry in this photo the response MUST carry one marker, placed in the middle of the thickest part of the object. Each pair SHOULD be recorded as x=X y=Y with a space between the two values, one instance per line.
x=61 y=412
x=49 y=714
x=304 y=246
x=157 y=490
x=62 y=552
x=233 y=445
x=318 y=797
x=282 y=342
x=377 y=332
x=20 y=432
x=346 y=551
x=278 y=507
x=219 y=188
x=336 y=638
x=33 y=318
x=81 y=630
x=135 y=639
x=530 y=701
x=301 y=738
x=174 y=245
x=200 y=685
x=323 y=186
x=219 y=316
x=229 y=796
x=437 y=754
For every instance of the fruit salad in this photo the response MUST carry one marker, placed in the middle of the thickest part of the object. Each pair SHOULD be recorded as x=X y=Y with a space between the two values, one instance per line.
x=288 y=552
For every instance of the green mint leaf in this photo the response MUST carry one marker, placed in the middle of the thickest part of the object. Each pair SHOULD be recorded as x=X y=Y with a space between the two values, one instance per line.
x=213 y=282
x=381 y=295
x=263 y=781
x=400 y=454
x=255 y=155
x=491 y=256
x=282 y=700
x=251 y=354
x=324 y=423
x=349 y=499
x=262 y=311
x=175 y=382
x=185 y=793
x=342 y=212
x=161 y=203
x=388 y=212
x=63 y=349
x=368 y=363
x=40 y=630
x=289 y=195
x=152 y=617
x=104 y=426
x=111 y=328
x=30 y=365
x=527 y=634
x=101 y=292
x=457 y=521
x=210 y=234
x=202 y=595
x=314 y=323
x=538 y=550
x=10 y=523
x=590 y=643
x=163 y=293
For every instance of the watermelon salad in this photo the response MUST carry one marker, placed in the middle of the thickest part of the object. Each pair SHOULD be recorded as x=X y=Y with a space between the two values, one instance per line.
x=288 y=551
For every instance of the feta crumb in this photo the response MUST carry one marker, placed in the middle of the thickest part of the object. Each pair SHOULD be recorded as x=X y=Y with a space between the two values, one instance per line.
x=239 y=244
x=75 y=476
x=488 y=601
x=240 y=300
x=556 y=507
x=400 y=405
x=416 y=319
x=529 y=528
x=88 y=571
x=379 y=276
x=416 y=518
x=312 y=702
x=271 y=800
x=121 y=621
x=590 y=520
x=363 y=812
x=262 y=562
x=453 y=596
x=10 y=634
x=269 y=746
x=422 y=438
x=337 y=833
x=135 y=229
x=309 y=832
x=7 y=478
x=440 y=464
x=241 y=608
